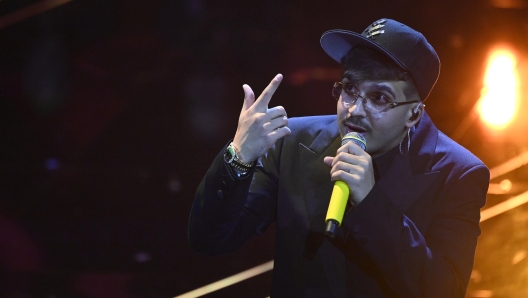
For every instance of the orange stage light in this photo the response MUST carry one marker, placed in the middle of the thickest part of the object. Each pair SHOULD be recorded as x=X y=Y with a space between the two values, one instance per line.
x=500 y=95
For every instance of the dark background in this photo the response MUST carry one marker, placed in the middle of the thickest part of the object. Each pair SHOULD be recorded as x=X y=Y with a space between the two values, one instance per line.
x=111 y=112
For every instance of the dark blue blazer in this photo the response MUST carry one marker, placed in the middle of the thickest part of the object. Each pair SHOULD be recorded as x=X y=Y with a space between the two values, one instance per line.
x=414 y=235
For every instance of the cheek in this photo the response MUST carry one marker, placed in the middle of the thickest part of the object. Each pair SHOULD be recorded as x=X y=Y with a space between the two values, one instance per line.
x=377 y=117
x=341 y=116
x=387 y=121
x=381 y=128
x=340 y=108
x=342 y=112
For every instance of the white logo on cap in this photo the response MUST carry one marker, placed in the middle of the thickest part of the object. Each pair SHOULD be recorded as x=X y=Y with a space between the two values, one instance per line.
x=374 y=29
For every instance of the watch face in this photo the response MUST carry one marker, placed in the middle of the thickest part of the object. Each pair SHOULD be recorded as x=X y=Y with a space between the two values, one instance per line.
x=229 y=154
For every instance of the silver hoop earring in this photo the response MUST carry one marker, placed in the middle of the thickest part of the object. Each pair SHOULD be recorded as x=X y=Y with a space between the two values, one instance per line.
x=408 y=142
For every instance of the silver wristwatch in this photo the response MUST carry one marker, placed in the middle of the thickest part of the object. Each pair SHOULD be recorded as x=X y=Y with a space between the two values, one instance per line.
x=231 y=158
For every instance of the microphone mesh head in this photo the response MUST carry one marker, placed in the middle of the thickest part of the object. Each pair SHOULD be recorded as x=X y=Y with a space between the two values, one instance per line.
x=355 y=137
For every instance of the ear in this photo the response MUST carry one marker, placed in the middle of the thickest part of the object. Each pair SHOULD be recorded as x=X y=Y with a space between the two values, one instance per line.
x=415 y=114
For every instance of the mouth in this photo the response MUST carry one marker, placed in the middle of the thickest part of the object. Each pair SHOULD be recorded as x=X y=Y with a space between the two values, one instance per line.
x=354 y=128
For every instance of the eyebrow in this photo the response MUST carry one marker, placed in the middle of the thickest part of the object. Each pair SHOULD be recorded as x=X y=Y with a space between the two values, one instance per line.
x=382 y=87
x=377 y=86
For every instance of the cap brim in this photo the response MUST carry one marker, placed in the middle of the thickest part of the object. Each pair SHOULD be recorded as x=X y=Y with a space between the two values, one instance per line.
x=337 y=43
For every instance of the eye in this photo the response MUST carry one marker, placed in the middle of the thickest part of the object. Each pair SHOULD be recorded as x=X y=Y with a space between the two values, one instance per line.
x=349 y=88
x=379 y=99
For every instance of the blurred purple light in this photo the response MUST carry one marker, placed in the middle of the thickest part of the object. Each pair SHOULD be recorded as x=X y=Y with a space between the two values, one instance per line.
x=52 y=164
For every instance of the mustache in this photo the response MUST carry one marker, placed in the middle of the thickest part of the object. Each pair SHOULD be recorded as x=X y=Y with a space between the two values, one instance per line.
x=357 y=121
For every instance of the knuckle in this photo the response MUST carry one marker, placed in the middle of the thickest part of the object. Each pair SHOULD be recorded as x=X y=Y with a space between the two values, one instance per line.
x=260 y=118
x=269 y=141
x=340 y=175
x=365 y=163
x=286 y=130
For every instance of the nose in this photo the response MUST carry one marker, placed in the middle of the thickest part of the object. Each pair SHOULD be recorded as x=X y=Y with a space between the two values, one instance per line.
x=357 y=108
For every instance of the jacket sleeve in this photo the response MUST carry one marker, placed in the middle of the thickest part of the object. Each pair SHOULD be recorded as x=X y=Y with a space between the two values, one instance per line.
x=436 y=262
x=228 y=210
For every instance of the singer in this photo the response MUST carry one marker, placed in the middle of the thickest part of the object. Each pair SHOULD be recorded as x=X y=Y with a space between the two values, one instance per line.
x=411 y=220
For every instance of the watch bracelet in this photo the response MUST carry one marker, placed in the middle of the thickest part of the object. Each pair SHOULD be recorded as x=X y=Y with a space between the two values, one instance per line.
x=237 y=164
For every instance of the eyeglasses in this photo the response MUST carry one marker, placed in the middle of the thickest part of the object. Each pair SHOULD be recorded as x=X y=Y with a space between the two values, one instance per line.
x=374 y=103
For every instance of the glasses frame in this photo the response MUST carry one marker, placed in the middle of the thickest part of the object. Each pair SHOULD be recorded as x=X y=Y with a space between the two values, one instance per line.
x=390 y=105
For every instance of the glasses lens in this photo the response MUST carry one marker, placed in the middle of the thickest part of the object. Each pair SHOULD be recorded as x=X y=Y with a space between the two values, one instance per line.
x=336 y=90
x=370 y=106
x=350 y=96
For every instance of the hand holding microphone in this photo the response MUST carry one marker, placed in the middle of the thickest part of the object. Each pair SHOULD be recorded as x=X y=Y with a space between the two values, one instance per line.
x=353 y=174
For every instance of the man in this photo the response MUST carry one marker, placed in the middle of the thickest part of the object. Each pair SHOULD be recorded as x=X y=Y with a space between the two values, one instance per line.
x=415 y=195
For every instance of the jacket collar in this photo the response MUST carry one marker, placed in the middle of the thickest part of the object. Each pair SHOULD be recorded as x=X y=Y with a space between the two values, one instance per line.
x=407 y=179
x=423 y=144
x=326 y=140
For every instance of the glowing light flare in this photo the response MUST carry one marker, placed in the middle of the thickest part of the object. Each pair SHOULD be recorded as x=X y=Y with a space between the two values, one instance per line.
x=506 y=185
x=499 y=97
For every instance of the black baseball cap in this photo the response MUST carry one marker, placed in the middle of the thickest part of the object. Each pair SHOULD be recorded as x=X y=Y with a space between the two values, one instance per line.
x=405 y=46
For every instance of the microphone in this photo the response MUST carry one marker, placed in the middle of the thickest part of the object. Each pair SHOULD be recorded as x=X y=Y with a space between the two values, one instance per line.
x=340 y=193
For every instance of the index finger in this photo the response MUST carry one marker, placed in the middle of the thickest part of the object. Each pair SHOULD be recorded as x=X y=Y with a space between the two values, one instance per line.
x=352 y=148
x=262 y=102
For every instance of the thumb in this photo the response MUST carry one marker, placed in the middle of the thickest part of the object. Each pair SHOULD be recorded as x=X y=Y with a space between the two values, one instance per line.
x=249 y=97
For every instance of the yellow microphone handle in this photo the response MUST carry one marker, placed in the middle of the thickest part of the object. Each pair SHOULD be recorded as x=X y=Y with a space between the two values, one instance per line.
x=338 y=202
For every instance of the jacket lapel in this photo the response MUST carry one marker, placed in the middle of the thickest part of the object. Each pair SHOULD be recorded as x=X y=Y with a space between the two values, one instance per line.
x=409 y=175
x=315 y=174
x=406 y=180
x=401 y=185
x=317 y=191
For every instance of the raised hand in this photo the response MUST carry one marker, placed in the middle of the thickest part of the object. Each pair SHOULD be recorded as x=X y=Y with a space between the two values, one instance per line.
x=259 y=127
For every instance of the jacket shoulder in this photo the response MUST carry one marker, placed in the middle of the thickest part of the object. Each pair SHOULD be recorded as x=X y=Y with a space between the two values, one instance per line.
x=311 y=125
x=449 y=152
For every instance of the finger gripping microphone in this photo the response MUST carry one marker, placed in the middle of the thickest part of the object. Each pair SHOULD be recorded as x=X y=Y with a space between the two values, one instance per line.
x=340 y=193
